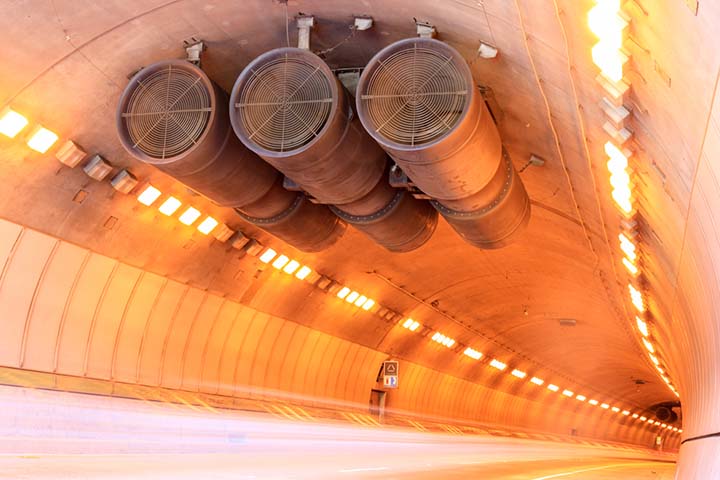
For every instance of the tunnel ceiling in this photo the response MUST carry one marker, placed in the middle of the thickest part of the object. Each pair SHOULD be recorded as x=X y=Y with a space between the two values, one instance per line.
x=66 y=63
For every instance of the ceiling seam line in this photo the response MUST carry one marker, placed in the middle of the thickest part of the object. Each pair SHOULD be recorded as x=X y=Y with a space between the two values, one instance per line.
x=673 y=302
x=552 y=127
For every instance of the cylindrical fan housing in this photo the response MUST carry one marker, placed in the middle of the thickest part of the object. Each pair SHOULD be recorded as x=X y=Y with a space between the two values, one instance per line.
x=308 y=227
x=172 y=116
x=418 y=100
x=289 y=108
x=403 y=225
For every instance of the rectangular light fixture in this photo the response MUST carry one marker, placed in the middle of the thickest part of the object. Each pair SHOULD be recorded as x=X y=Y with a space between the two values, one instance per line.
x=605 y=406
x=537 y=381
x=642 y=326
x=615 y=409
x=11 y=122
x=268 y=255
x=170 y=206
x=636 y=298
x=360 y=300
x=623 y=200
x=582 y=398
x=630 y=267
x=654 y=359
x=497 y=364
x=618 y=161
x=628 y=247
x=411 y=324
x=568 y=393
x=642 y=419
x=189 y=216
x=280 y=261
x=149 y=195
x=352 y=297
x=291 y=267
x=303 y=272
x=369 y=303
x=635 y=415
x=553 y=387
x=41 y=139
x=207 y=225
x=343 y=292
x=625 y=412
x=443 y=339
x=518 y=373
x=648 y=345
x=593 y=402
x=472 y=353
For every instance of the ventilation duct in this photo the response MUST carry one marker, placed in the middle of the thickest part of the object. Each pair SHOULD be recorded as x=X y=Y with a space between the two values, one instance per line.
x=418 y=100
x=172 y=116
x=288 y=107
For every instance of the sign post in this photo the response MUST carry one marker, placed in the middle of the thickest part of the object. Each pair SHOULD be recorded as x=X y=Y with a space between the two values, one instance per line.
x=390 y=374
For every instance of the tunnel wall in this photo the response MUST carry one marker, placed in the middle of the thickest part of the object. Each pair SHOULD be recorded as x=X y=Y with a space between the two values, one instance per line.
x=70 y=311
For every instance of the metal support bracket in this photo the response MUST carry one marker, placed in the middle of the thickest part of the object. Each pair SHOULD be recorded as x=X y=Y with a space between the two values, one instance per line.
x=304 y=24
x=194 y=49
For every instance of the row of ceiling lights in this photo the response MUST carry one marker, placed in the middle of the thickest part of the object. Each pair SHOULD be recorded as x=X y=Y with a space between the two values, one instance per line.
x=413 y=325
x=292 y=267
x=608 y=22
x=289 y=266
x=41 y=140
x=149 y=196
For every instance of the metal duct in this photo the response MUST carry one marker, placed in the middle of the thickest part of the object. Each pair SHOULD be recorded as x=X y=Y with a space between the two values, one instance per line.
x=308 y=227
x=402 y=225
x=172 y=116
x=289 y=108
x=417 y=98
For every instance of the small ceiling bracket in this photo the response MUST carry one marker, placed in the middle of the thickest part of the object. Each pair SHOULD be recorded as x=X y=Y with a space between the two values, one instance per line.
x=304 y=24
x=425 y=29
x=485 y=50
x=193 y=50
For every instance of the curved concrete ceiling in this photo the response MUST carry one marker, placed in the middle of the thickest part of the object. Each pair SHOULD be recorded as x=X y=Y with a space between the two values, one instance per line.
x=65 y=65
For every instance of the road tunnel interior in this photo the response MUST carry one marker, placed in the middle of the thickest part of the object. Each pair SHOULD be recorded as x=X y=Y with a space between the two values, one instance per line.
x=510 y=203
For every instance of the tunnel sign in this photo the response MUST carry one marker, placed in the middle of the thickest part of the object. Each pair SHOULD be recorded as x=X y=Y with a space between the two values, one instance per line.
x=390 y=374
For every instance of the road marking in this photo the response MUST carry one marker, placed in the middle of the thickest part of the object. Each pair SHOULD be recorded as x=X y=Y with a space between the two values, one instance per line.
x=558 y=475
x=362 y=469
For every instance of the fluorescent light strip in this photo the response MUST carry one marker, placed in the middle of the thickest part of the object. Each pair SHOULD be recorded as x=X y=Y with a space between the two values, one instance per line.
x=472 y=353
x=518 y=373
x=537 y=381
x=497 y=364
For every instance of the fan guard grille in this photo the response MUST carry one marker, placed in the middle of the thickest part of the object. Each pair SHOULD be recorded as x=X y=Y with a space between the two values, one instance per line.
x=415 y=95
x=167 y=112
x=285 y=103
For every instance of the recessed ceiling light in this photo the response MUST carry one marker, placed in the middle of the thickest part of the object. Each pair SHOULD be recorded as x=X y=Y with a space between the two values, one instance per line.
x=11 y=122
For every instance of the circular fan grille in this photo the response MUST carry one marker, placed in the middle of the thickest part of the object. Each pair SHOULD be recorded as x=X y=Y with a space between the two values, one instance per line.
x=285 y=103
x=167 y=112
x=415 y=95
